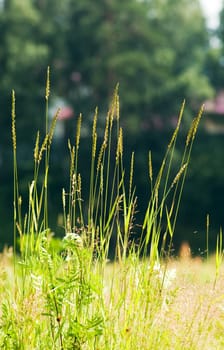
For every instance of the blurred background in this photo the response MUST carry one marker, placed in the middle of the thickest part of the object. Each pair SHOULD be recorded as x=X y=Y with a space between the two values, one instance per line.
x=160 y=51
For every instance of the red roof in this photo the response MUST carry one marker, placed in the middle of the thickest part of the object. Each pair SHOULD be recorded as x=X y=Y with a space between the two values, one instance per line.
x=216 y=105
x=66 y=113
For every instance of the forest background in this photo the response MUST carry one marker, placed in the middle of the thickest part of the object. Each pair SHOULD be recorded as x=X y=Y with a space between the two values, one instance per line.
x=161 y=52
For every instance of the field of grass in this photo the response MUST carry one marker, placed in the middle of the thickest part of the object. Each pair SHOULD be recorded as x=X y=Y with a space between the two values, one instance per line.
x=67 y=294
x=111 y=305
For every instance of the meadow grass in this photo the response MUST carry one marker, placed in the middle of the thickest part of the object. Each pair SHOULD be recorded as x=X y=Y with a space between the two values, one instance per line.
x=67 y=294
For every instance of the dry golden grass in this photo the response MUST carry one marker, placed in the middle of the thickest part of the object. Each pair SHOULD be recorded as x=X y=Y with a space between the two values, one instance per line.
x=196 y=313
x=191 y=315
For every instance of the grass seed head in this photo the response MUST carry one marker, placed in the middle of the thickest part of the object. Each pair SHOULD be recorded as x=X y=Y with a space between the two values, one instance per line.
x=13 y=120
x=47 y=94
x=53 y=125
x=119 y=152
x=43 y=148
x=197 y=121
x=79 y=184
x=180 y=172
x=100 y=157
x=78 y=131
x=150 y=167
x=36 y=148
x=178 y=126
x=194 y=127
x=63 y=198
x=117 y=106
x=94 y=134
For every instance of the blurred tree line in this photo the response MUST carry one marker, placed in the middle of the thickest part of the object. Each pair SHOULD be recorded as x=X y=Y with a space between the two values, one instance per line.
x=159 y=51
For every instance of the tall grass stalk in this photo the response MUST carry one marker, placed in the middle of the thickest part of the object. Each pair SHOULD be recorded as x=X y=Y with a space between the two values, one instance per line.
x=16 y=198
x=47 y=95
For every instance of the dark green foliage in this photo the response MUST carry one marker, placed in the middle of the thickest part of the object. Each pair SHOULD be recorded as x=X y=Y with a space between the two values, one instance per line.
x=143 y=45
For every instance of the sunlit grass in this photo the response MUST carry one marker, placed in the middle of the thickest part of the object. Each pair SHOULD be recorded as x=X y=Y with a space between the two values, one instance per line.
x=116 y=306
x=67 y=294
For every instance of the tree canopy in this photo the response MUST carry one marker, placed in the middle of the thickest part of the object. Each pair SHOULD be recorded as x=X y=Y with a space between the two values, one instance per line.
x=155 y=49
